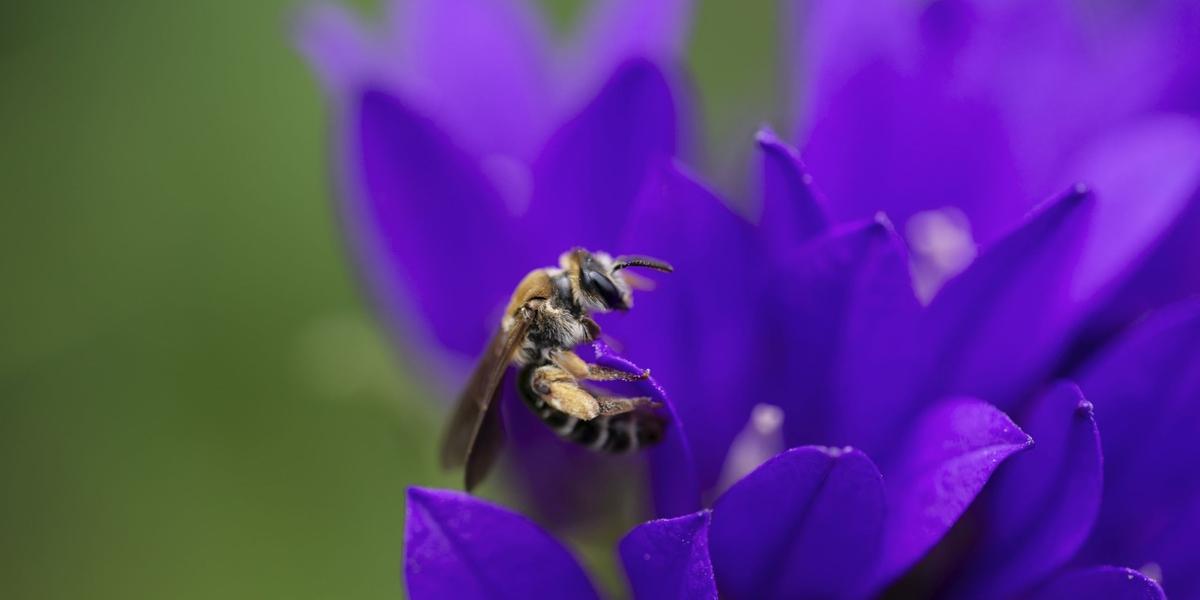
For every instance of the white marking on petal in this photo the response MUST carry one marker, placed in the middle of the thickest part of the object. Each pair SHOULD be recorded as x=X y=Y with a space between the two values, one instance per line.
x=941 y=247
x=761 y=439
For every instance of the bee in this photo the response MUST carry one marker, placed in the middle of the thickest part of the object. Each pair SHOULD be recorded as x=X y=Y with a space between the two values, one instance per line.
x=549 y=315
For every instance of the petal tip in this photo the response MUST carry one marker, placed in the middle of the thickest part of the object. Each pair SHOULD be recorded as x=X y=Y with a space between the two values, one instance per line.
x=425 y=497
x=1085 y=409
x=1080 y=193
x=766 y=137
x=637 y=67
x=883 y=223
x=420 y=495
x=835 y=452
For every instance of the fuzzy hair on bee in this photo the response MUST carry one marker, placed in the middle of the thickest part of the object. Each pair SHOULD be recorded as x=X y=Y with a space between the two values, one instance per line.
x=548 y=315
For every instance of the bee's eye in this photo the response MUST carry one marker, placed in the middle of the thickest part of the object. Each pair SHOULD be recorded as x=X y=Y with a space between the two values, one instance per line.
x=602 y=286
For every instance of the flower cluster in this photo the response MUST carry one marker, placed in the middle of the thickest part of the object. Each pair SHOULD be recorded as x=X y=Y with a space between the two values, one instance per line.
x=900 y=368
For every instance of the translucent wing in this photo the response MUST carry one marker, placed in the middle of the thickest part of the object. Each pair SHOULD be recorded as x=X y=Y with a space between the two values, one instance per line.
x=475 y=434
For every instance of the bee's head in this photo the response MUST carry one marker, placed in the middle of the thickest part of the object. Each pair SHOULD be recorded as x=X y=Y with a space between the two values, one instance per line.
x=600 y=284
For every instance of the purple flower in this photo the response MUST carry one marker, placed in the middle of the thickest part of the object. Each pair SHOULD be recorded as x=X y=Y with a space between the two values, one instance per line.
x=805 y=525
x=463 y=135
x=955 y=117
x=1010 y=426
x=470 y=149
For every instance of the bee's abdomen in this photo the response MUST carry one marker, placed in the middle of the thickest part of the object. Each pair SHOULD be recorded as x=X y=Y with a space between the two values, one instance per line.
x=618 y=434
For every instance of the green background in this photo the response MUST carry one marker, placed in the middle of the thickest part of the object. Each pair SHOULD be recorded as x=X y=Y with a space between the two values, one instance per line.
x=194 y=402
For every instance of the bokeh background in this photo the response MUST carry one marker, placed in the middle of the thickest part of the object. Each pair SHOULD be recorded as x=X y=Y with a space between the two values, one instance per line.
x=194 y=400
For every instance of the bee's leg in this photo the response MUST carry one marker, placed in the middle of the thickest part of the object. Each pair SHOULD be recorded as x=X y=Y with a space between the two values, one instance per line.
x=571 y=363
x=560 y=389
x=610 y=405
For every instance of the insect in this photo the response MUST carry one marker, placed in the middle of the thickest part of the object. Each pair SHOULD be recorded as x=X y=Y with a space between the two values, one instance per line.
x=548 y=315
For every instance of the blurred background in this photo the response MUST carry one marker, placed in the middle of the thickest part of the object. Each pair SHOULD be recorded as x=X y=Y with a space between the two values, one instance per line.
x=194 y=402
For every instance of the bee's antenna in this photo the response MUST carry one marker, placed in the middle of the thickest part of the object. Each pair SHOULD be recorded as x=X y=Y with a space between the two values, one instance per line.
x=622 y=262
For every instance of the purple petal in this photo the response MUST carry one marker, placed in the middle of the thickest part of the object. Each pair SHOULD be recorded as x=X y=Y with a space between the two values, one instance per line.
x=1143 y=177
x=877 y=355
x=997 y=328
x=589 y=173
x=482 y=65
x=1004 y=92
x=616 y=30
x=806 y=524
x=418 y=212
x=690 y=330
x=547 y=469
x=1175 y=549
x=338 y=47
x=675 y=489
x=951 y=452
x=568 y=482
x=1041 y=503
x=823 y=291
x=1045 y=79
x=456 y=546
x=1145 y=388
x=1108 y=583
x=1147 y=182
x=1183 y=17
x=668 y=558
x=792 y=211
x=880 y=105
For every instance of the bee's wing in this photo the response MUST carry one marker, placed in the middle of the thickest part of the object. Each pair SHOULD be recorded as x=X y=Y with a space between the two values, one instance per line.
x=475 y=433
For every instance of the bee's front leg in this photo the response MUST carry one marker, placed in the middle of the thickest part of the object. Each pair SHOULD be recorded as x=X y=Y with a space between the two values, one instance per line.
x=571 y=363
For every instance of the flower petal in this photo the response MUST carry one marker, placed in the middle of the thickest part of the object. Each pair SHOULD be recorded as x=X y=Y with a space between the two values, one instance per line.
x=883 y=119
x=1143 y=176
x=951 y=452
x=547 y=469
x=482 y=65
x=668 y=558
x=806 y=524
x=616 y=30
x=997 y=328
x=418 y=211
x=877 y=356
x=1041 y=503
x=456 y=546
x=589 y=173
x=694 y=331
x=1147 y=182
x=900 y=90
x=823 y=290
x=792 y=211
x=1145 y=388
x=550 y=468
x=1110 y=583
x=675 y=489
x=337 y=46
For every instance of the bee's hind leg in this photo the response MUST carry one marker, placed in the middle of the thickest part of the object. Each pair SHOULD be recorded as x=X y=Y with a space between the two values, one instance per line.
x=610 y=405
x=571 y=363
x=558 y=388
